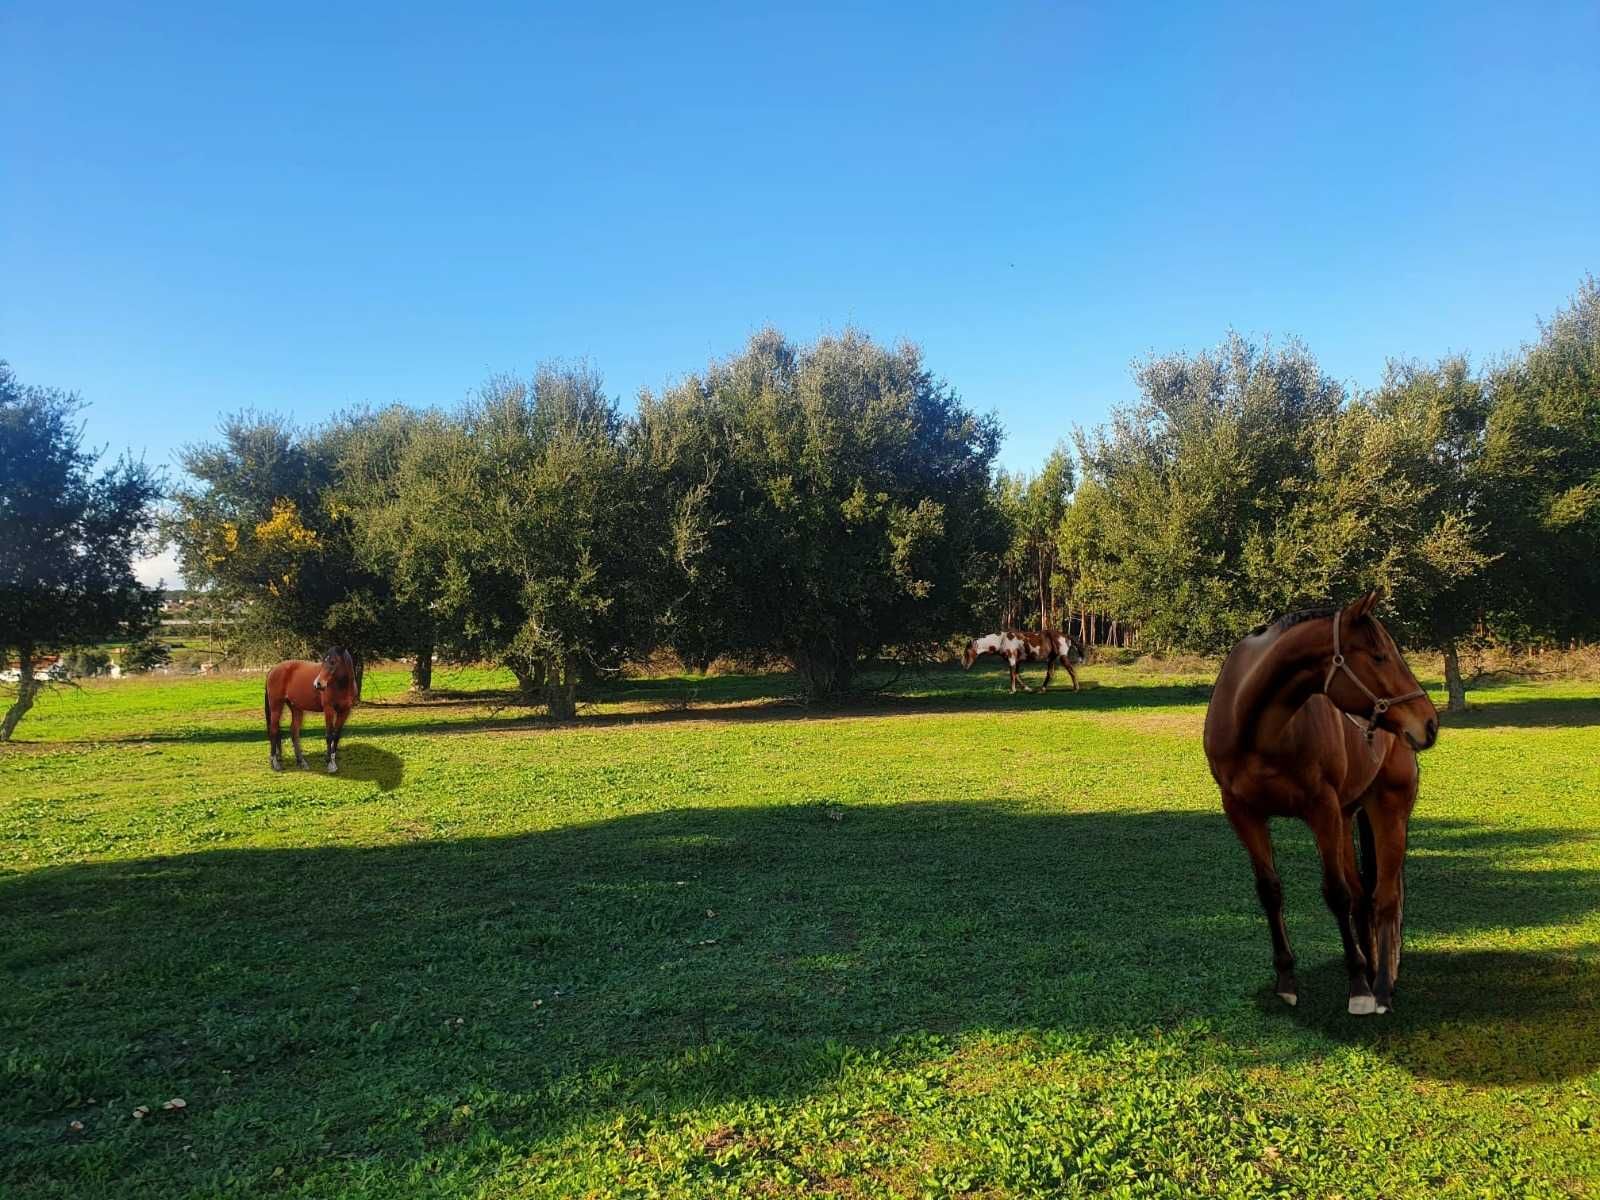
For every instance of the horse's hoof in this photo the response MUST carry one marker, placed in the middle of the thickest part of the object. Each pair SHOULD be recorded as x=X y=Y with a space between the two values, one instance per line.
x=1382 y=1008
x=1289 y=998
x=276 y=765
x=1363 y=1006
x=333 y=768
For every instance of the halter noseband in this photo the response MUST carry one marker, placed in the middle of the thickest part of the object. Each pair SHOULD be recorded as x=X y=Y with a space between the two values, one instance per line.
x=1380 y=704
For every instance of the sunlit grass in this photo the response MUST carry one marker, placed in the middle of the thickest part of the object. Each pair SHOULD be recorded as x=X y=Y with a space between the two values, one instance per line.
x=711 y=942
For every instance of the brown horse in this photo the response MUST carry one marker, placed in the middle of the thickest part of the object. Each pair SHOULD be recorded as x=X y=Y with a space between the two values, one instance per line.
x=1317 y=716
x=328 y=687
x=1046 y=646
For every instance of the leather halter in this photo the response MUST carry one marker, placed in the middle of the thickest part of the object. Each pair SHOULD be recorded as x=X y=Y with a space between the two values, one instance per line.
x=1380 y=704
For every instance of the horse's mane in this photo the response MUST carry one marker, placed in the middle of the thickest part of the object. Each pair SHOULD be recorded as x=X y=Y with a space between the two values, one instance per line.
x=1291 y=619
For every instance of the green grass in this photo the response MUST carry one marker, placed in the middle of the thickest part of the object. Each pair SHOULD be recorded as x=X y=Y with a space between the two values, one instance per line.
x=707 y=944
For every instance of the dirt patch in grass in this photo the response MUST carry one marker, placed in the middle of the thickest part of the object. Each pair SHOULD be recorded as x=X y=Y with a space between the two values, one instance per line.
x=1170 y=724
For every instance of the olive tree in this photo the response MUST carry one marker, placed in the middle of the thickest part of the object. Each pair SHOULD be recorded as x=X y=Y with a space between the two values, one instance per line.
x=68 y=537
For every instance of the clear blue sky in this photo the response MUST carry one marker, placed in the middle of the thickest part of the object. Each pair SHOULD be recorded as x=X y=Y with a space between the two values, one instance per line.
x=207 y=207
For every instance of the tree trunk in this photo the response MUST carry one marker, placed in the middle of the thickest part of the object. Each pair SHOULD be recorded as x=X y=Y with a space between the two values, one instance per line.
x=27 y=689
x=422 y=669
x=561 y=691
x=1452 y=679
x=530 y=679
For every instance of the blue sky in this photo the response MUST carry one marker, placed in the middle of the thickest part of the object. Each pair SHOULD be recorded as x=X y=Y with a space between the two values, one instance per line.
x=211 y=207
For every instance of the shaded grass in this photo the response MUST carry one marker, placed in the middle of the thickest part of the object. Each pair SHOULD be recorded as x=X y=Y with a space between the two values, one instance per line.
x=954 y=941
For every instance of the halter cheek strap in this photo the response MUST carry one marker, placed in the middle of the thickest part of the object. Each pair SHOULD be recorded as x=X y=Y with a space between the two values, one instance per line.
x=1380 y=704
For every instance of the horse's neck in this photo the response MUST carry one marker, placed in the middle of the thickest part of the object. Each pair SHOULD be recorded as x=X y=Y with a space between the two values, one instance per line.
x=1287 y=672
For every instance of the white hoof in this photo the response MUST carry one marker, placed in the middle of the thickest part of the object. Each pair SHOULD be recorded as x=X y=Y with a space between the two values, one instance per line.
x=1289 y=998
x=333 y=768
x=1362 y=1006
x=1382 y=1008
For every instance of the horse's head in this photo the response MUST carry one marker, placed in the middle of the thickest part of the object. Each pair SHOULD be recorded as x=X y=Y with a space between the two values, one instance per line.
x=336 y=669
x=1369 y=678
x=969 y=655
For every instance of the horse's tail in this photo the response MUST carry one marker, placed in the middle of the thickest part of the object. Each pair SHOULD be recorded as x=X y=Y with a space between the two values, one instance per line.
x=1369 y=853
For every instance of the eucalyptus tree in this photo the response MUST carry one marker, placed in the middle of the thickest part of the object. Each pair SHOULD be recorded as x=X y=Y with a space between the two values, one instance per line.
x=1033 y=507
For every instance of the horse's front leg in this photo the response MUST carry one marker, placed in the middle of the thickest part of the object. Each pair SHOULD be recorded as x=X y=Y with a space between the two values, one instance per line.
x=1390 y=816
x=1016 y=676
x=331 y=722
x=1341 y=888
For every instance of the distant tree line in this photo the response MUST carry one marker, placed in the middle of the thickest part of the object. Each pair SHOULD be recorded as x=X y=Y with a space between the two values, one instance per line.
x=832 y=504
x=1245 y=482
x=826 y=504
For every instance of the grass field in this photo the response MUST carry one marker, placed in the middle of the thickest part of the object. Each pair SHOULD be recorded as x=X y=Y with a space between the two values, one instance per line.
x=704 y=944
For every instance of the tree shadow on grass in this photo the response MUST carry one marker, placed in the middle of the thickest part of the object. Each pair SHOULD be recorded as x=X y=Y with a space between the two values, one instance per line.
x=687 y=956
x=1566 y=712
x=742 y=700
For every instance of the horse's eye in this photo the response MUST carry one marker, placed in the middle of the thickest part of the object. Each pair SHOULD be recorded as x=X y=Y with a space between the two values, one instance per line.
x=1381 y=658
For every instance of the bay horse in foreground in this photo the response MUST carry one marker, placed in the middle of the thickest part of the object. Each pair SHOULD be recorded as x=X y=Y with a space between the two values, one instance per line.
x=1317 y=716
x=1047 y=646
x=327 y=687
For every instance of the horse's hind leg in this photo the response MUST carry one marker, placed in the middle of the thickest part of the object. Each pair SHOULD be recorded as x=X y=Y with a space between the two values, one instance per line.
x=1257 y=842
x=296 y=715
x=275 y=733
x=1049 y=672
x=1341 y=889
x=1067 y=663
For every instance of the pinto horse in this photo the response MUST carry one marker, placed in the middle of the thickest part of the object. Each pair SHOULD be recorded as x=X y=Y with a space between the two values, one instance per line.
x=1317 y=716
x=1047 y=646
x=328 y=687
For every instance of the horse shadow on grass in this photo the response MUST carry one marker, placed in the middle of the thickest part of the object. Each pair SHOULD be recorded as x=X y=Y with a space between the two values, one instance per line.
x=361 y=762
x=673 y=958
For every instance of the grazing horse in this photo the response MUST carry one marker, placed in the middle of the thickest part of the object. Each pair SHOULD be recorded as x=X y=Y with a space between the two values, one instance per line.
x=1047 y=645
x=328 y=687
x=1317 y=716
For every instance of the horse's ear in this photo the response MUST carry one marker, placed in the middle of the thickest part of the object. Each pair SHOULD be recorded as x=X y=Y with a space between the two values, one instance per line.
x=1363 y=607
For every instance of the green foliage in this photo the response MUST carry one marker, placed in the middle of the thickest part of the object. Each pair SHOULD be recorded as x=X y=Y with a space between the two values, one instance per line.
x=823 y=502
x=510 y=531
x=758 y=955
x=1246 y=483
x=1195 y=482
x=146 y=655
x=263 y=529
x=86 y=662
x=1542 y=457
x=1033 y=508
x=68 y=537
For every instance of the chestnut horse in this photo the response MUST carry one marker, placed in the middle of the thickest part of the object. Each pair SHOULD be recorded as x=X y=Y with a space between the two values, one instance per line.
x=1317 y=716
x=328 y=687
x=1047 y=646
